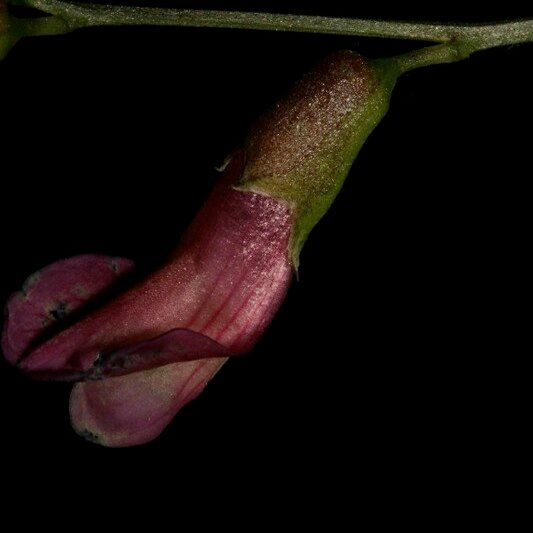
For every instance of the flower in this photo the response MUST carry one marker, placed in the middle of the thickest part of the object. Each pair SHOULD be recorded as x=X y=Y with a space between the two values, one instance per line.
x=142 y=355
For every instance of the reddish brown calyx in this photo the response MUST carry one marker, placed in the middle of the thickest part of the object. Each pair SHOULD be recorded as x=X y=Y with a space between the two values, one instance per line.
x=301 y=151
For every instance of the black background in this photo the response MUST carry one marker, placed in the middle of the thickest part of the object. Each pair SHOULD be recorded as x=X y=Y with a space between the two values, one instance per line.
x=383 y=365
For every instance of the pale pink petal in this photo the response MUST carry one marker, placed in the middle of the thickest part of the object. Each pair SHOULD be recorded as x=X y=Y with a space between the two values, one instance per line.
x=134 y=409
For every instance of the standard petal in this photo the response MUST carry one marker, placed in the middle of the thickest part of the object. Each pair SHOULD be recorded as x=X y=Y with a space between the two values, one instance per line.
x=225 y=281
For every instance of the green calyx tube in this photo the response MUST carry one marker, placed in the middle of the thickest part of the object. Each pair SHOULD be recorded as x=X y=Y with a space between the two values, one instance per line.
x=302 y=149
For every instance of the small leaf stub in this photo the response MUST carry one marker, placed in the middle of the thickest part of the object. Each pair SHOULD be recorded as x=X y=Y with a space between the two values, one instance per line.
x=7 y=39
x=302 y=149
x=3 y=18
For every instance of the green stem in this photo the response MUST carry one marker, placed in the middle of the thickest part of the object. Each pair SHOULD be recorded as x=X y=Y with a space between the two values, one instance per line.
x=432 y=55
x=484 y=35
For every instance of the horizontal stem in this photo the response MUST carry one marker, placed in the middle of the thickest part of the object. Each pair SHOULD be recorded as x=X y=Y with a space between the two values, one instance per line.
x=484 y=35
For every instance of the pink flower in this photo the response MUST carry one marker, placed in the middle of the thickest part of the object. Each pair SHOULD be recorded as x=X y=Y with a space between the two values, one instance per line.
x=144 y=354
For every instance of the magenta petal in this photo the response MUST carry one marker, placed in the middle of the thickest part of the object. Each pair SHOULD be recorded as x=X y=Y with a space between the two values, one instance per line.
x=226 y=280
x=53 y=293
x=178 y=345
x=134 y=409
